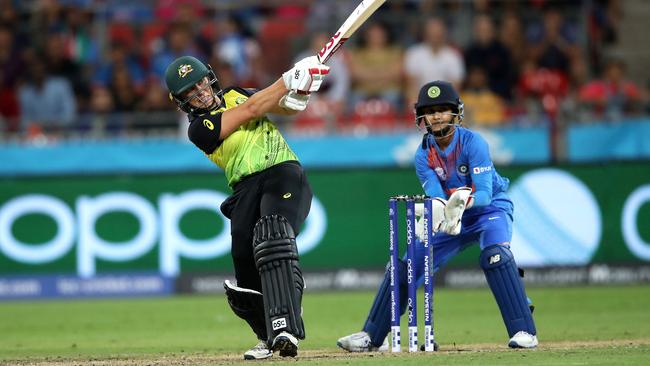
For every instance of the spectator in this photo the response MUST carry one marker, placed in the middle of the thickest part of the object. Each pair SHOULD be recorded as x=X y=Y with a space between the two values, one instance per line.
x=613 y=96
x=554 y=43
x=60 y=63
x=487 y=52
x=81 y=45
x=101 y=119
x=603 y=26
x=10 y=70
x=125 y=97
x=239 y=51
x=376 y=68
x=180 y=41
x=153 y=110
x=483 y=107
x=46 y=100
x=11 y=19
x=511 y=35
x=120 y=57
x=433 y=59
x=46 y=18
x=224 y=71
x=155 y=98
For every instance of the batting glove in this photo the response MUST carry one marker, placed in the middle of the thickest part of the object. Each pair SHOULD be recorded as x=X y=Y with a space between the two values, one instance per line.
x=294 y=101
x=458 y=202
x=305 y=76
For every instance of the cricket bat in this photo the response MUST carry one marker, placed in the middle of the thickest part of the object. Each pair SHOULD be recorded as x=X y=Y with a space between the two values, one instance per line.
x=351 y=24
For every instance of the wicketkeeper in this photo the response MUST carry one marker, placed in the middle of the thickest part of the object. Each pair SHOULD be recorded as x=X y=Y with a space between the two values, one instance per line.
x=471 y=206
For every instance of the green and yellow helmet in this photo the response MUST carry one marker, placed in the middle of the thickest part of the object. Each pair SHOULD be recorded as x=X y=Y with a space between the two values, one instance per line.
x=182 y=74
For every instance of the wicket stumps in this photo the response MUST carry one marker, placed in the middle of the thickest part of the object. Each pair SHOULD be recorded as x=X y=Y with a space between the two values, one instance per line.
x=410 y=273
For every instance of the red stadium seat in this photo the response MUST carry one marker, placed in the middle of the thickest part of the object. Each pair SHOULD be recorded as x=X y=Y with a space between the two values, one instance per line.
x=314 y=120
x=372 y=115
x=550 y=86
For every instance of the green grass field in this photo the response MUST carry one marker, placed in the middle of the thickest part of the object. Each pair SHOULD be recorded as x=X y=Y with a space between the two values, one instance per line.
x=576 y=326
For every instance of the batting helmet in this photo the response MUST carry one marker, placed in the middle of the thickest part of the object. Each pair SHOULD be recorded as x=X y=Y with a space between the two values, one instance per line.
x=182 y=74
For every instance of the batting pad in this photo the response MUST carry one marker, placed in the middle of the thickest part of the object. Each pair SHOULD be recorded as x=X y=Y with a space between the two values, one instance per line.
x=249 y=305
x=507 y=286
x=276 y=258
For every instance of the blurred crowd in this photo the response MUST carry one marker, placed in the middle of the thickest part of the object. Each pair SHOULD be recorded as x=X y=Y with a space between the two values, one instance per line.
x=96 y=67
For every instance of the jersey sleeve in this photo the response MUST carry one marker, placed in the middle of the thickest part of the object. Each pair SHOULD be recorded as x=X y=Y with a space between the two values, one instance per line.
x=426 y=175
x=481 y=170
x=245 y=91
x=204 y=132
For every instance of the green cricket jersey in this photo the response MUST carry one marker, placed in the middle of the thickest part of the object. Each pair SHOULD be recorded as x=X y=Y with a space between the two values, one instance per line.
x=253 y=147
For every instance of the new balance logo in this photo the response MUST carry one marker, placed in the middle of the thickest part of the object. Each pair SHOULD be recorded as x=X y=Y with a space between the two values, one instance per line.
x=493 y=259
x=279 y=323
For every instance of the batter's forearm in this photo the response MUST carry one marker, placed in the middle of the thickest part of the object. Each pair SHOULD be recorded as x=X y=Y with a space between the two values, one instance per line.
x=266 y=100
x=256 y=106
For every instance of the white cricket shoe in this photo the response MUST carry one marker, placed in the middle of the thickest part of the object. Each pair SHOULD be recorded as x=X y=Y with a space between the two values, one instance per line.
x=259 y=352
x=286 y=343
x=360 y=342
x=523 y=340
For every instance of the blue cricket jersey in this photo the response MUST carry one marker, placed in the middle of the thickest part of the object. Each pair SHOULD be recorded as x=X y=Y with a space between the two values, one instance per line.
x=465 y=162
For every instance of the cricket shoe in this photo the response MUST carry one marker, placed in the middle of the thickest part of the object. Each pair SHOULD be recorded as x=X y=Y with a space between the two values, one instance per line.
x=286 y=343
x=360 y=342
x=523 y=340
x=259 y=352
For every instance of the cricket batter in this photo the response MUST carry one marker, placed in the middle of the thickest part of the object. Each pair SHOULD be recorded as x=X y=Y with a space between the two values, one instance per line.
x=454 y=165
x=271 y=195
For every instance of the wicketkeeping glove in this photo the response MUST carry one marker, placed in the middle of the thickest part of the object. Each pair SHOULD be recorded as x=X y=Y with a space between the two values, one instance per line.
x=460 y=200
x=438 y=217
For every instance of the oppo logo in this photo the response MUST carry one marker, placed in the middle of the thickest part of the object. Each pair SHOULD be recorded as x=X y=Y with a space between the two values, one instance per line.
x=555 y=205
x=157 y=225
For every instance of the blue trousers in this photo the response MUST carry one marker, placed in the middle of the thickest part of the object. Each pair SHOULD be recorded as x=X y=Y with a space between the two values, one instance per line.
x=492 y=226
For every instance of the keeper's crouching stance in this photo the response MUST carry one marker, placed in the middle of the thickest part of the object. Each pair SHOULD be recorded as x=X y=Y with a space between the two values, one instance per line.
x=449 y=161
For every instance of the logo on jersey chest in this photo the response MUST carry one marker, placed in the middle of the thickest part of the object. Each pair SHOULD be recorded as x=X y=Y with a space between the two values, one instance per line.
x=463 y=169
